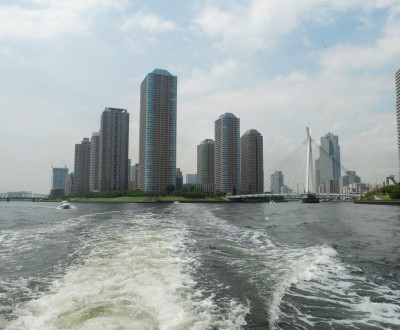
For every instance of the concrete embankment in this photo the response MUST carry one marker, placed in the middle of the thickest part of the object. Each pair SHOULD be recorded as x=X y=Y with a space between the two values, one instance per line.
x=378 y=202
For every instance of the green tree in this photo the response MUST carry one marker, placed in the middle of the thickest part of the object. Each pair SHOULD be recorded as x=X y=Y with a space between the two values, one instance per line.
x=169 y=188
x=395 y=192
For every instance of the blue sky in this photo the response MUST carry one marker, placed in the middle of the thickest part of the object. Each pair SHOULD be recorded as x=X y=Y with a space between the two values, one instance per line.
x=278 y=65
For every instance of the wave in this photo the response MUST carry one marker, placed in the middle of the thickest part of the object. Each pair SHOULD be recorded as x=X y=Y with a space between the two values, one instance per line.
x=137 y=276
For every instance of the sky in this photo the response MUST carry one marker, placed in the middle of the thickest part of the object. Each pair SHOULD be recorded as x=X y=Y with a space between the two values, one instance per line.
x=278 y=65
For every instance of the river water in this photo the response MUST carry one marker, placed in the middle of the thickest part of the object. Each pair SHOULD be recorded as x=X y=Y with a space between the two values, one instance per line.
x=199 y=266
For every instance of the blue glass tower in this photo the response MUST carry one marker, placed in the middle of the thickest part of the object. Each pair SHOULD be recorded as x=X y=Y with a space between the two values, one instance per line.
x=157 y=132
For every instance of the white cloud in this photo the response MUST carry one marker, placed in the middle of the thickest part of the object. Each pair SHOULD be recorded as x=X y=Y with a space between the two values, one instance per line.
x=151 y=23
x=48 y=19
x=352 y=57
x=260 y=24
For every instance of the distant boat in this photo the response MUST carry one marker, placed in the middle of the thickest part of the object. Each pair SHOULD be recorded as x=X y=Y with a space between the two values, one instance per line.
x=309 y=198
x=65 y=205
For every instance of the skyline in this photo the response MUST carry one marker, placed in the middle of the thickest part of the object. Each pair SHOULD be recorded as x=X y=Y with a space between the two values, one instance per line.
x=278 y=66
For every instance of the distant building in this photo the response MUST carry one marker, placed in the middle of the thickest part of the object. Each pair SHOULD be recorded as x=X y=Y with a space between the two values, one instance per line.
x=69 y=184
x=191 y=178
x=114 y=145
x=94 y=162
x=133 y=185
x=157 y=131
x=398 y=113
x=205 y=162
x=252 y=162
x=277 y=183
x=59 y=176
x=179 y=179
x=328 y=166
x=82 y=166
x=348 y=182
x=227 y=153
x=207 y=189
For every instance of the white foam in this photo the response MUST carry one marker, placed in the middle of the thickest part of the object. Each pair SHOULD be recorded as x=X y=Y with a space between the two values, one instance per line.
x=332 y=282
x=136 y=279
x=294 y=265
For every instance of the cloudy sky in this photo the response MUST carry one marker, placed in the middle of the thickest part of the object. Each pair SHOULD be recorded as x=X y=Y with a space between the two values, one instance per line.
x=278 y=65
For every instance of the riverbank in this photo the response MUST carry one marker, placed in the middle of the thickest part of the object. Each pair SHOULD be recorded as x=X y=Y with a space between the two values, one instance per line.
x=148 y=199
x=378 y=202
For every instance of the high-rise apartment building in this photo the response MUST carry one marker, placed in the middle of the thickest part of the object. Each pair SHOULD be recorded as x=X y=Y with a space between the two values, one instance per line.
x=328 y=166
x=227 y=153
x=277 y=183
x=114 y=145
x=82 y=166
x=205 y=162
x=398 y=113
x=94 y=162
x=252 y=162
x=157 y=132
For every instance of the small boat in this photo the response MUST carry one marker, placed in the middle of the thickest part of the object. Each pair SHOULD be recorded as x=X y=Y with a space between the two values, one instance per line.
x=65 y=205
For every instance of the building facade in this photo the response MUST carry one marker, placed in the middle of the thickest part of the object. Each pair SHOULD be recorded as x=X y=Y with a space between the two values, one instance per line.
x=252 y=162
x=398 y=114
x=82 y=166
x=191 y=178
x=94 y=162
x=134 y=177
x=114 y=145
x=205 y=162
x=179 y=179
x=157 y=132
x=58 y=180
x=227 y=153
x=328 y=166
x=277 y=183
x=348 y=182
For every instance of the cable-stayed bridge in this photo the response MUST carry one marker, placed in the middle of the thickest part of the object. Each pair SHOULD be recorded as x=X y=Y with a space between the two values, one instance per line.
x=297 y=169
x=22 y=195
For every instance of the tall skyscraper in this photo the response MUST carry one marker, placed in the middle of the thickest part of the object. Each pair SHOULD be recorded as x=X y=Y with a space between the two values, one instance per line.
x=398 y=113
x=94 y=162
x=277 y=183
x=157 y=132
x=59 y=176
x=82 y=166
x=227 y=153
x=252 y=162
x=205 y=162
x=114 y=144
x=328 y=166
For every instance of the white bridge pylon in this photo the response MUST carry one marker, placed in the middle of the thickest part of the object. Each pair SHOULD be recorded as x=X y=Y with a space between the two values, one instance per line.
x=310 y=181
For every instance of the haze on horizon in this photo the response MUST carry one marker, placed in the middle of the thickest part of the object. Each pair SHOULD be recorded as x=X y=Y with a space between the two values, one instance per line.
x=278 y=65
